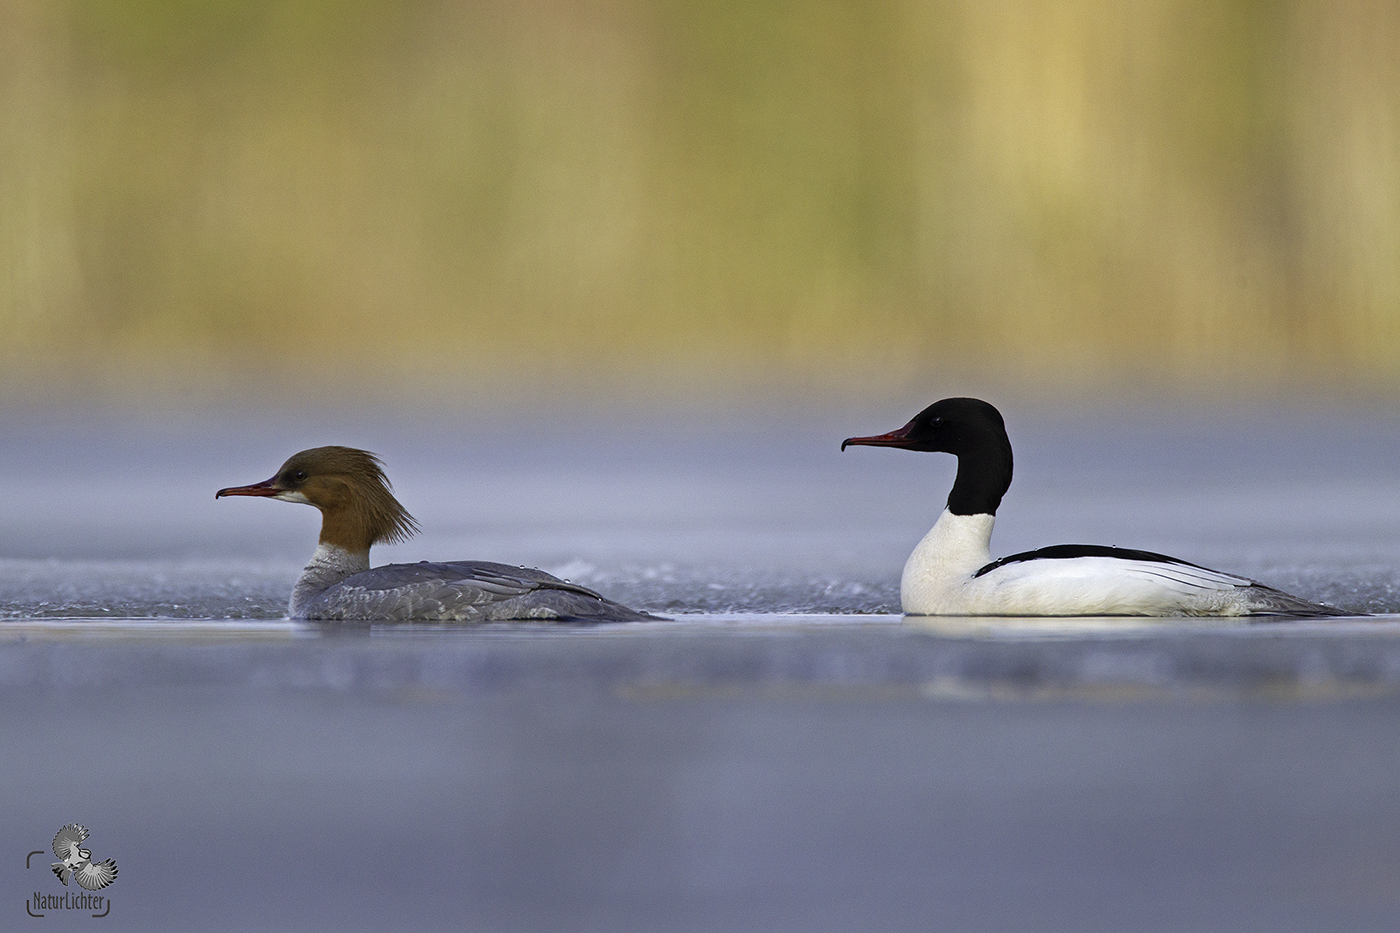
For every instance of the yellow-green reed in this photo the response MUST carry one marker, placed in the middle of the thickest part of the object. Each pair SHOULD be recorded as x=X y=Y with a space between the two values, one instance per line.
x=208 y=195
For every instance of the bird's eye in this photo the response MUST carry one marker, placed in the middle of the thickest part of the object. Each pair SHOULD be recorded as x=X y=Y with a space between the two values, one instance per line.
x=297 y=476
x=936 y=421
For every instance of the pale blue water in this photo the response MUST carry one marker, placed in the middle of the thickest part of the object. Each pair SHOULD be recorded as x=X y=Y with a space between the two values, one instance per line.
x=787 y=754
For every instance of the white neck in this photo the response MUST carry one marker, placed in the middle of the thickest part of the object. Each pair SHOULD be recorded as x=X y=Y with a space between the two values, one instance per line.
x=936 y=574
x=329 y=565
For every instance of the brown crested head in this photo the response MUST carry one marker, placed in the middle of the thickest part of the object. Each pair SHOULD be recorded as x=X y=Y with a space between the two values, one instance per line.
x=349 y=487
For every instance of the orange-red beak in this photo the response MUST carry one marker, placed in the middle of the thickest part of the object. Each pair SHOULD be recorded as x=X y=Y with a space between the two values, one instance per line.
x=267 y=487
x=896 y=438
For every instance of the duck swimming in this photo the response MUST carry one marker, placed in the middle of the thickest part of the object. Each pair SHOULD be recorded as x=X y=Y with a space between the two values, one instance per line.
x=951 y=571
x=358 y=510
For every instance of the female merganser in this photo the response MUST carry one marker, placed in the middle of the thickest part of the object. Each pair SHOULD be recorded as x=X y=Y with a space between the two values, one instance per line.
x=951 y=571
x=359 y=510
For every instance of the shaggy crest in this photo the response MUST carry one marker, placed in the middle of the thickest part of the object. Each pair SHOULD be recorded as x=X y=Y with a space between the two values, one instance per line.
x=327 y=476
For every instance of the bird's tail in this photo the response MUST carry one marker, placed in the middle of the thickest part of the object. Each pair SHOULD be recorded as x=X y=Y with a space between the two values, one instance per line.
x=1265 y=600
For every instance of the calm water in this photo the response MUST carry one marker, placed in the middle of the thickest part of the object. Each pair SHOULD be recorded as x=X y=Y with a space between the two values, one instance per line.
x=787 y=754
x=686 y=514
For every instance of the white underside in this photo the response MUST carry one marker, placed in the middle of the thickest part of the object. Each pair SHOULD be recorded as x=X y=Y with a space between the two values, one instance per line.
x=938 y=580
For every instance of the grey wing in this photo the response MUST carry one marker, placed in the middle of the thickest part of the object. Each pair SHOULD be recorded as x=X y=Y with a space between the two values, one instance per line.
x=527 y=593
x=467 y=591
x=500 y=580
x=97 y=875
x=430 y=592
x=65 y=841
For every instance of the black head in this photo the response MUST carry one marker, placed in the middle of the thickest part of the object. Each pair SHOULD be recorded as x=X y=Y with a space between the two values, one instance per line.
x=970 y=429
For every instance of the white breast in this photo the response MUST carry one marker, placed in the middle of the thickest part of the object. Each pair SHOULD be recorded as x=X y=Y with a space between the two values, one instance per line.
x=329 y=565
x=936 y=576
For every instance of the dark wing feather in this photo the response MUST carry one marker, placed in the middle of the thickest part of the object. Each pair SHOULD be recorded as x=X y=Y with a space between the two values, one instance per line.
x=1061 y=551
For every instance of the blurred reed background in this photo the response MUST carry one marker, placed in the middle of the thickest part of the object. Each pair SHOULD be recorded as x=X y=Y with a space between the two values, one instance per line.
x=200 y=197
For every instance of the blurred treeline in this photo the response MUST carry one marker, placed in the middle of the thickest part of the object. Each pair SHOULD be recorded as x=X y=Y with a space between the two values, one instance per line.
x=226 y=193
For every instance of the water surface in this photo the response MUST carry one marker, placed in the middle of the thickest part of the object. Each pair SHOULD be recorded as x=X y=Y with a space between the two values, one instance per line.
x=686 y=513
x=788 y=753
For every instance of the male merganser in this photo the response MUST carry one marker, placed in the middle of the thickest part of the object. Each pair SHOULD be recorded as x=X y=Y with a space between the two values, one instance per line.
x=951 y=571
x=359 y=510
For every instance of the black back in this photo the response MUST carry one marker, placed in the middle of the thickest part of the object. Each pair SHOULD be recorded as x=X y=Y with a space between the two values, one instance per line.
x=1084 y=550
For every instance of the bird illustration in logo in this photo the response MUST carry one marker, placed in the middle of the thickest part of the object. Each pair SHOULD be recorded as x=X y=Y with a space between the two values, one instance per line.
x=77 y=861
